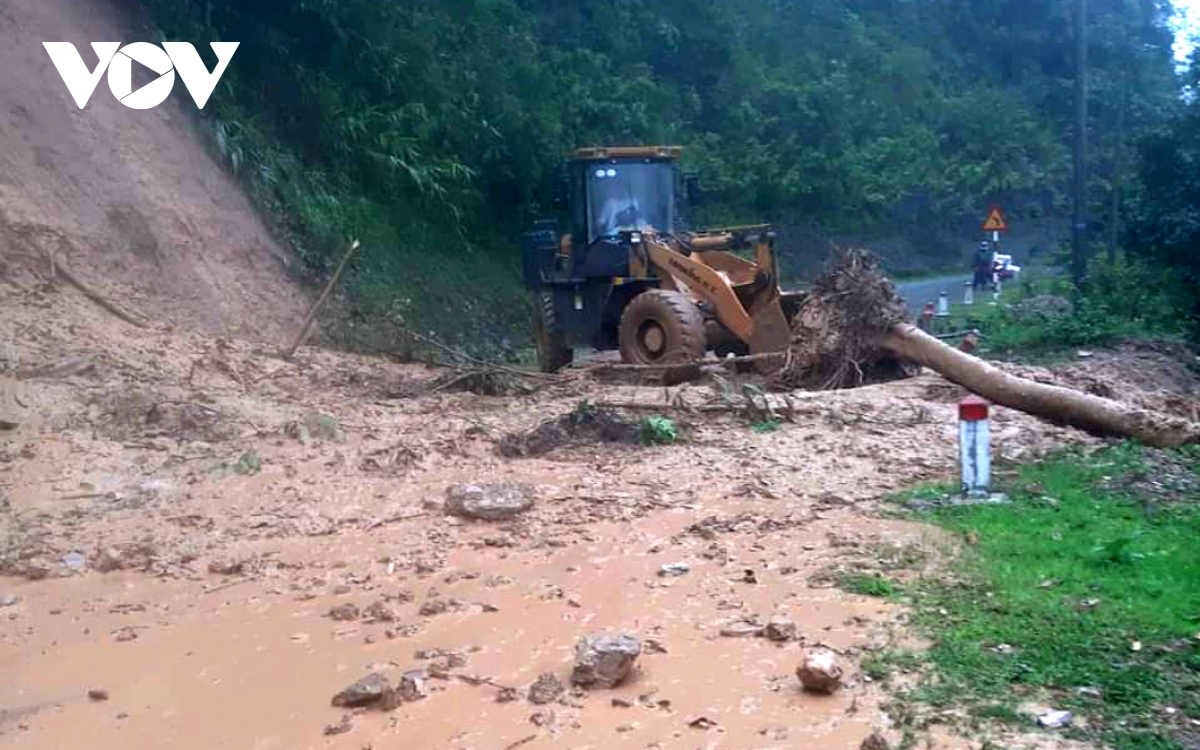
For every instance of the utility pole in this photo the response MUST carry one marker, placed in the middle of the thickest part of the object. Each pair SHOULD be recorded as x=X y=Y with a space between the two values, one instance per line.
x=1079 y=239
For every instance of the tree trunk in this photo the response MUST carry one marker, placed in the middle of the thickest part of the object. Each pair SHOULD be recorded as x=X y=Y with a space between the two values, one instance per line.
x=1093 y=414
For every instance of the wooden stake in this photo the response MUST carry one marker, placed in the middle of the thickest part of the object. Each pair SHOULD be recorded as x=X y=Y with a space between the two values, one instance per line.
x=312 y=313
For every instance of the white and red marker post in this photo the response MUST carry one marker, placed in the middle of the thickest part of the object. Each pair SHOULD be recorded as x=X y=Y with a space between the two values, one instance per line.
x=974 y=440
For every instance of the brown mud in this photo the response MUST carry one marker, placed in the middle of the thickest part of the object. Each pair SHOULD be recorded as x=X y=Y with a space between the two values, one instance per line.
x=180 y=513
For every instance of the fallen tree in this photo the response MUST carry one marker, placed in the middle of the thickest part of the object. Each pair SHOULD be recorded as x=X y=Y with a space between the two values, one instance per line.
x=854 y=326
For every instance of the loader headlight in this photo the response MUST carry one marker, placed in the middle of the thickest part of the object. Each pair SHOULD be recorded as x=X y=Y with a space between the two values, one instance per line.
x=635 y=238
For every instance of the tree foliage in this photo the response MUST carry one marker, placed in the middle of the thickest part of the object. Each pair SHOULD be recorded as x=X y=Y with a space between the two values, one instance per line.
x=431 y=128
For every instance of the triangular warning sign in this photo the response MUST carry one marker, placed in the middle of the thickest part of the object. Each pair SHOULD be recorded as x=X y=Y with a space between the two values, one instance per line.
x=995 y=222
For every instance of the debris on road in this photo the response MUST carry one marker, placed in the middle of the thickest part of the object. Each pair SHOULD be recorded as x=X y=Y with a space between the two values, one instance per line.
x=488 y=502
x=820 y=672
x=674 y=570
x=97 y=695
x=366 y=691
x=605 y=660
x=545 y=689
x=780 y=629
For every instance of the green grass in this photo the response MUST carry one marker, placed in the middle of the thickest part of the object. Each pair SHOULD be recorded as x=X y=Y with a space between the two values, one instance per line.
x=1027 y=571
x=869 y=585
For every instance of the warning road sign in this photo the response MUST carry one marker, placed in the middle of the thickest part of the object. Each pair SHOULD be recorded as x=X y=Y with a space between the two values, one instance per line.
x=995 y=222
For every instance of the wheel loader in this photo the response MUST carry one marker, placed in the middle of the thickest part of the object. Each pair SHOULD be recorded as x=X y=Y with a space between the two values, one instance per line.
x=624 y=274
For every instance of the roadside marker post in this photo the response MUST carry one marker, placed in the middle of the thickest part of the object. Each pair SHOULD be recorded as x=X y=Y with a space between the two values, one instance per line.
x=968 y=293
x=974 y=443
x=943 y=305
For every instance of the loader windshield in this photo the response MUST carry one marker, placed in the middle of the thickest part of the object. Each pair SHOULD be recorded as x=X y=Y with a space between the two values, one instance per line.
x=630 y=196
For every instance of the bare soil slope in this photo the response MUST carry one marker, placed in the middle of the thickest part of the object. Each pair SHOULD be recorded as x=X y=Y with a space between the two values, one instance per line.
x=130 y=199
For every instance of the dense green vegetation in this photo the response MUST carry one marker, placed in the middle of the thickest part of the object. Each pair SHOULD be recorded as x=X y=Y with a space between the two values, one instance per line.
x=431 y=128
x=1084 y=593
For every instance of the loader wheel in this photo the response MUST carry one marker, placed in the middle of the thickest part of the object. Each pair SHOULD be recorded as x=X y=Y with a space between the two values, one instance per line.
x=660 y=327
x=552 y=349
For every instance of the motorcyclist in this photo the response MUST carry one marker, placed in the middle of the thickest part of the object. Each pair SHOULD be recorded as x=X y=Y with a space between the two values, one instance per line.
x=983 y=265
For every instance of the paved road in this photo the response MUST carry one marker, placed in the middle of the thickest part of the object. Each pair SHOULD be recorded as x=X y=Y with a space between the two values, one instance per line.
x=917 y=293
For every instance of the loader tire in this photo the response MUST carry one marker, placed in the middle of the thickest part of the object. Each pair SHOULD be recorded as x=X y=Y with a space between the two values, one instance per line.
x=660 y=328
x=552 y=349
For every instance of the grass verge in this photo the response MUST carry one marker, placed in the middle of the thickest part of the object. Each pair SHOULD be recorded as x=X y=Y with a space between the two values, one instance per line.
x=1084 y=594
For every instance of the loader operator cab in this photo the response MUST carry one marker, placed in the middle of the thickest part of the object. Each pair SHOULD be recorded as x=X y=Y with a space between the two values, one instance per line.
x=615 y=269
x=627 y=196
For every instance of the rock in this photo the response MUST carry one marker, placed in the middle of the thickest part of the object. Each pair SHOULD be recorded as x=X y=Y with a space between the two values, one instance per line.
x=380 y=611
x=341 y=727
x=875 y=742
x=98 y=695
x=545 y=689
x=126 y=634
x=820 y=672
x=507 y=695
x=74 y=560
x=108 y=559
x=488 y=502
x=9 y=600
x=604 y=660
x=226 y=567
x=366 y=691
x=433 y=607
x=1054 y=719
x=344 y=612
x=674 y=570
x=741 y=628
x=412 y=685
x=780 y=629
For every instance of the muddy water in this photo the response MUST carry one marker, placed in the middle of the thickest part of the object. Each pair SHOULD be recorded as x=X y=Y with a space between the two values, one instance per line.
x=250 y=666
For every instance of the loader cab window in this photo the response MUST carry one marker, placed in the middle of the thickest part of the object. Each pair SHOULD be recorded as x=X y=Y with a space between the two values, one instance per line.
x=629 y=196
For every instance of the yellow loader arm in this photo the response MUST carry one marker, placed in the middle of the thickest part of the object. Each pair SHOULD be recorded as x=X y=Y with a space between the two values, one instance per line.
x=744 y=295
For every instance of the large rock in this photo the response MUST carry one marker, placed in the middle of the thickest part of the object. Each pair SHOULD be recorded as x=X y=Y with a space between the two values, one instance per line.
x=368 y=690
x=820 y=672
x=604 y=660
x=488 y=502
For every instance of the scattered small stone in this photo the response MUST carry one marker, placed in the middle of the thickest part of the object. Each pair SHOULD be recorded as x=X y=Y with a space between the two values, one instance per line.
x=655 y=646
x=1089 y=691
x=344 y=612
x=488 y=502
x=775 y=733
x=820 y=672
x=366 y=691
x=98 y=695
x=626 y=728
x=875 y=742
x=412 y=685
x=108 y=559
x=542 y=718
x=74 y=560
x=9 y=600
x=701 y=722
x=741 y=628
x=1054 y=719
x=126 y=634
x=433 y=607
x=574 y=602
x=380 y=611
x=545 y=689
x=780 y=629
x=226 y=566
x=674 y=570
x=605 y=660
x=507 y=695
x=341 y=727
x=341 y=589
x=749 y=576
x=621 y=703
x=1089 y=603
